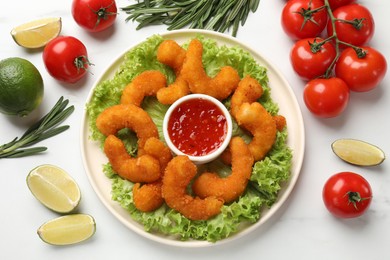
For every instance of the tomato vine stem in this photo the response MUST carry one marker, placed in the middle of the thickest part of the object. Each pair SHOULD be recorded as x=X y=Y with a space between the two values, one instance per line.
x=307 y=14
x=357 y=23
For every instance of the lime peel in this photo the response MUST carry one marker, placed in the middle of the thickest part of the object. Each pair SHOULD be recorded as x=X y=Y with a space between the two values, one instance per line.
x=21 y=86
x=358 y=152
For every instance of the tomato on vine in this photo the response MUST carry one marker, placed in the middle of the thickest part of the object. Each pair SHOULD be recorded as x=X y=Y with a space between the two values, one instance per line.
x=311 y=57
x=326 y=97
x=66 y=59
x=304 y=18
x=94 y=15
x=362 y=69
x=354 y=24
x=347 y=195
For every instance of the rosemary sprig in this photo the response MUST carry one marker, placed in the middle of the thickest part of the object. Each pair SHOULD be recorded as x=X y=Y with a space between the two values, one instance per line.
x=45 y=128
x=217 y=15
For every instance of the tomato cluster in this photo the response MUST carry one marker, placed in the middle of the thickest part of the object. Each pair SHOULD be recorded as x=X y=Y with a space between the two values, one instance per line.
x=330 y=51
x=66 y=57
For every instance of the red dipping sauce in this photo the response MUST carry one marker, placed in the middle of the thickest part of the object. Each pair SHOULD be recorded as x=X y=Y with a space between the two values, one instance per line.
x=197 y=127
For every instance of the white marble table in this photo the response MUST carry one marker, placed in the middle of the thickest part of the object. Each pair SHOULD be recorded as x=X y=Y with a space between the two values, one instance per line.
x=302 y=229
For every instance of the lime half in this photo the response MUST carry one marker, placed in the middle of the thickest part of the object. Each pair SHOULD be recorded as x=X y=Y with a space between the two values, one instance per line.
x=54 y=188
x=358 y=152
x=37 y=33
x=67 y=230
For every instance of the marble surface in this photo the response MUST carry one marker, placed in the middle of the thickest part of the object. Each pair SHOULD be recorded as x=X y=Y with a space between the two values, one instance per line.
x=302 y=229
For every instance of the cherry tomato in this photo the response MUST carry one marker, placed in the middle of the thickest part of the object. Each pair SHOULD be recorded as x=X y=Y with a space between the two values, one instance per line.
x=310 y=58
x=361 y=74
x=94 y=15
x=347 y=195
x=334 y=4
x=360 y=26
x=298 y=22
x=326 y=97
x=66 y=59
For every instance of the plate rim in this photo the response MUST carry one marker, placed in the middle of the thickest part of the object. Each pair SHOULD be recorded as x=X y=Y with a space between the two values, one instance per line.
x=297 y=161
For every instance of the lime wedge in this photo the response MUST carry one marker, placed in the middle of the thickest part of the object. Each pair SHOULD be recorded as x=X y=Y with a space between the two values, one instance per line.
x=67 y=230
x=358 y=152
x=54 y=188
x=37 y=33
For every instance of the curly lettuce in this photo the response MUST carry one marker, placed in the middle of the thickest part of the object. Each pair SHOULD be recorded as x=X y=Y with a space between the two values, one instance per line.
x=268 y=174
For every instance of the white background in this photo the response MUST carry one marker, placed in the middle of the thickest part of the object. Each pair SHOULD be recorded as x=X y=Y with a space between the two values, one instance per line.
x=302 y=229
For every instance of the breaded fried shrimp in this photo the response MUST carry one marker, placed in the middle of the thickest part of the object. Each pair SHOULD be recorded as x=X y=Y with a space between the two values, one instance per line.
x=178 y=174
x=145 y=84
x=144 y=168
x=173 y=92
x=233 y=186
x=156 y=148
x=219 y=87
x=172 y=54
x=249 y=90
x=117 y=117
x=256 y=119
x=148 y=197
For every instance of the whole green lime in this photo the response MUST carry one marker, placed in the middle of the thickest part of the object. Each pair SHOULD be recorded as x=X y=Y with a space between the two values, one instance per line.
x=21 y=87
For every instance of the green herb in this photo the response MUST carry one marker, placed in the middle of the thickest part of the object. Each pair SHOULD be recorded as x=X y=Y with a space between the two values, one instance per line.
x=217 y=15
x=45 y=128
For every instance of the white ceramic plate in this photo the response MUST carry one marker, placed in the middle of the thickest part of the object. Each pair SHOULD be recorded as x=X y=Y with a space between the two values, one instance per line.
x=94 y=158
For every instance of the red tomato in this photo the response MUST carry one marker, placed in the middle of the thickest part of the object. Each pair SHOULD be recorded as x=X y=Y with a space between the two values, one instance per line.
x=326 y=97
x=334 y=4
x=66 y=59
x=361 y=74
x=347 y=195
x=94 y=15
x=310 y=59
x=358 y=33
x=298 y=22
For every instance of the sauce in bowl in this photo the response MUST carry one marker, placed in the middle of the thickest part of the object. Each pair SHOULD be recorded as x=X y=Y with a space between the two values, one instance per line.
x=198 y=126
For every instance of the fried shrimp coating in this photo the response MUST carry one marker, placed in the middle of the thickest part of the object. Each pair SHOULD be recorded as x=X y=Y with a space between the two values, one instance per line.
x=173 y=92
x=256 y=119
x=156 y=148
x=219 y=87
x=148 y=197
x=144 y=168
x=280 y=122
x=145 y=84
x=178 y=174
x=233 y=186
x=249 y=90
x=172 y=54
x=117 y=117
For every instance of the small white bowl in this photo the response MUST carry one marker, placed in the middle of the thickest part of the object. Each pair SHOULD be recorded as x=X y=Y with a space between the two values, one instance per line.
x=213 y=154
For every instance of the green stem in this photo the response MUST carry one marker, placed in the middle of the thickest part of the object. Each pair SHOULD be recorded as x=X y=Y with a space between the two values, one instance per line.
x=41 y=130
x=333 y=36
x=359 y=51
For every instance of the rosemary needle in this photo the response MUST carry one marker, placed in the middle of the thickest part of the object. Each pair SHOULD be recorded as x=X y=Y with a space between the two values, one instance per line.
x=45 y=128
x=217 y=15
